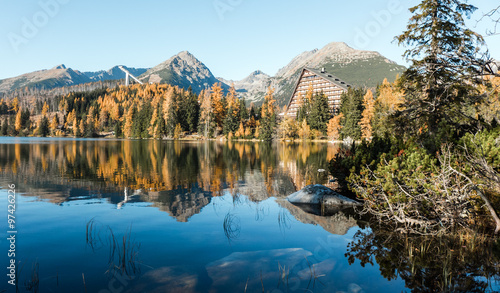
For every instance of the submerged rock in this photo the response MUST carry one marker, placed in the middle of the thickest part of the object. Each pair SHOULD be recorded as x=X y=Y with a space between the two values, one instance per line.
x=319 y=194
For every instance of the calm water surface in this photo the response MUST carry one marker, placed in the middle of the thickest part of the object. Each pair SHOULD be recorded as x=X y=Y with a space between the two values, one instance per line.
x=149 y=216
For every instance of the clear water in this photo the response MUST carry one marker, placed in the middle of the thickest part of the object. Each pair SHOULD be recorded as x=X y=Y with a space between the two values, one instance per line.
x=149 y=216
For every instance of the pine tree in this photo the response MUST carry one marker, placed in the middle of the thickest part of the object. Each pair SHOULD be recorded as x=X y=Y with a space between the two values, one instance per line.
x=192 y=112
x=319 y=113
x=43 y=128
x=5 y=127
x=173 y=114
x=268 y=116
x=367 y=115
x=244 y=115
x=352 y=106
x=446 y=61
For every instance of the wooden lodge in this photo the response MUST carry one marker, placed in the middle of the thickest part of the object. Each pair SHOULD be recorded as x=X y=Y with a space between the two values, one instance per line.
x=321 y=81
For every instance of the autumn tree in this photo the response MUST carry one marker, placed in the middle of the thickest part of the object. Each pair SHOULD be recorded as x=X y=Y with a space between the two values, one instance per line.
x=76 y=130
x=304 y=131
x=129 y=120
x=334 y=127
x=45 y=109
x=54 y=124
x=367 y=115
x=288 y=128
x=218 y=104
x=205 y=125
x=15 y=105
x=19 y=121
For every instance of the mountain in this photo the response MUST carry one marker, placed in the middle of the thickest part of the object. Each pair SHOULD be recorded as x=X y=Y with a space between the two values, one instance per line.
x=61 y=76
x=114 y=73
x=183 y=70
x=253 y=87
x=356 y=67
x=49 y=78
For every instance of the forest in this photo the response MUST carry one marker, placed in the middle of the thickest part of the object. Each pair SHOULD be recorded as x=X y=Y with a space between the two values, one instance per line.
x=161 y=111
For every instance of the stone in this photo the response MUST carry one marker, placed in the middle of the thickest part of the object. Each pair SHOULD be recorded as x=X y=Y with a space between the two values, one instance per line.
x=320 y=194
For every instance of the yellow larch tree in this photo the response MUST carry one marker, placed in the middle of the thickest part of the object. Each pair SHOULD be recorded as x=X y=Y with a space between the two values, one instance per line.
x=334 y=127
x=218 y=106
x=205 y=112
x=240 y=133
x=129 y=117
x=367 y=115
x=45 y=109
x=168 y=101
x=54 y=124
x=75 y=127
x=19 y=120
x=15 y=105
x=81 y=127
x=304 y=130
x=310 y=93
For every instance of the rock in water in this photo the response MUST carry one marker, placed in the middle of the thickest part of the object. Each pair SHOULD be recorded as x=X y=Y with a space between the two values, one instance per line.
x=319 y=194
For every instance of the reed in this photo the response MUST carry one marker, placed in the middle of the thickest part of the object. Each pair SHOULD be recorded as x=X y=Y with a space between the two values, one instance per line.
x=231 y=227
x=33 y=284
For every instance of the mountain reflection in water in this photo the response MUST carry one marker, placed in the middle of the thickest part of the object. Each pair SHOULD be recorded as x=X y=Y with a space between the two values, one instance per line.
x=212 y=217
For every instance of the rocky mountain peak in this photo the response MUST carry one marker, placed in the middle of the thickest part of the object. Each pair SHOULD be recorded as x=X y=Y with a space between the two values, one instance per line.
x=184 y=70
x=60 y=66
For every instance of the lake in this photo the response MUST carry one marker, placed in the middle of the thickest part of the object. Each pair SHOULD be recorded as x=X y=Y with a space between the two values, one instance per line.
x=171 y=216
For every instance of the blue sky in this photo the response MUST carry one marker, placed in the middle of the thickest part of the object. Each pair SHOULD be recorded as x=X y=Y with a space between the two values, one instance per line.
x=232 y=37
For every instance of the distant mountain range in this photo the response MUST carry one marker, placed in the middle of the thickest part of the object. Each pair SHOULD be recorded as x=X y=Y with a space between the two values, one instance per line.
x=356 y=67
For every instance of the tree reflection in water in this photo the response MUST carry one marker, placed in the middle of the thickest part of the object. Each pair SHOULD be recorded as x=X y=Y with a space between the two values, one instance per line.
x=464 y=262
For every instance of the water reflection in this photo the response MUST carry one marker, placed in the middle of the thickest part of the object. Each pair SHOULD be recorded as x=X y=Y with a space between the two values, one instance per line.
x=456 y=263
x=215 y=219
x=178 y=177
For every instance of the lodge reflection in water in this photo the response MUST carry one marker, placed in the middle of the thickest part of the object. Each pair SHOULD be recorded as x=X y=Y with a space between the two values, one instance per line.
x=177 y=177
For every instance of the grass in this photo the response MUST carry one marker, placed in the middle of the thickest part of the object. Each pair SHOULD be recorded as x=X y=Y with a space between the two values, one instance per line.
x=123 y=251
x=231 y=227
x=33 y=284
x=123 y=255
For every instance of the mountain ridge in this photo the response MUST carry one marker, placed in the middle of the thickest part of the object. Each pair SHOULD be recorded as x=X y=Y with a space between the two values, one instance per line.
x=356 y=67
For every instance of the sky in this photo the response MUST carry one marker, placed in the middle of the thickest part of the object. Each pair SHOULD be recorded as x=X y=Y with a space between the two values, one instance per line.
x=231 y=37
